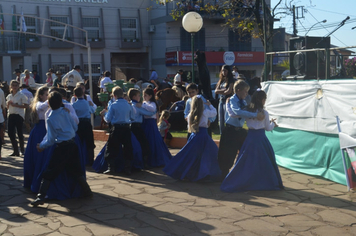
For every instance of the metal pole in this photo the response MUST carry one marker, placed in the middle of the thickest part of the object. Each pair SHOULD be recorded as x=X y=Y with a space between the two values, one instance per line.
x=90 y=81
x=265 y=40
x=327 y=64
x=192 y=41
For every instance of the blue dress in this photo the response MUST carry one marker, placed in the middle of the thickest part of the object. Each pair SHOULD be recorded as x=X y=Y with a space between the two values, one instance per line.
x=101 y=165
x=34 y=160
x=255 y=167
x=35 y=163
x=197 y=160
x=160 y=154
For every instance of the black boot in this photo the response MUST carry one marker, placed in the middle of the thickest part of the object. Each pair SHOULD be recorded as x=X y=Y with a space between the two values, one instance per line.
x=22 y=147
x=16 y=148
x=128 y=167
x=110 y=170
x=40 y=200
x=87 y=193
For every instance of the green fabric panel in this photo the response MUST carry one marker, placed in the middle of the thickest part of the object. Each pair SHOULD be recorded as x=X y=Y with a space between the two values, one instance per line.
x=308 y=152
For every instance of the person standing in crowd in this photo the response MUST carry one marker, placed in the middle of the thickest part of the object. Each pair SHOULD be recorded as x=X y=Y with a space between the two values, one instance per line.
x=53 y=74
x=233 y=135
x=29 y=95
x=71 y=79
x=27 y=79
x=17 y=72
x=197 y=160
x=163 y=127
x=61 y=130
x=235 y=72
x=2 y=118
x=154 y=77
x=105 y=80
x=36 y=76
x=224 y=88
x=255 y=167
x=57 y=82
x=49 y=80
x=16 y=102
x=120 y=115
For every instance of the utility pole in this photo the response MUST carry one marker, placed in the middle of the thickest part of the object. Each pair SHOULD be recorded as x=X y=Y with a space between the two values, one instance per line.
x=297 y=16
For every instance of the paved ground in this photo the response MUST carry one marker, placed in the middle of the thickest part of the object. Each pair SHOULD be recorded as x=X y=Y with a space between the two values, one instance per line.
x=150 y=203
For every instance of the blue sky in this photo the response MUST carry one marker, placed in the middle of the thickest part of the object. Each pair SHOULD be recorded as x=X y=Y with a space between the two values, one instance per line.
x=332 y=11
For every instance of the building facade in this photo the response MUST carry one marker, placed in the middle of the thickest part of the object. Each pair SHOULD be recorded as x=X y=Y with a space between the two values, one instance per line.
x=118 y=33
x=125 y=38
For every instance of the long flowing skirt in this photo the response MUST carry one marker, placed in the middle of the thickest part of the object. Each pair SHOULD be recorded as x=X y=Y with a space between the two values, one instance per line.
x=35 y=163
x=197 y=160
x=255 y=167
x=34 y=160
x=160 y=154
x=101 y=165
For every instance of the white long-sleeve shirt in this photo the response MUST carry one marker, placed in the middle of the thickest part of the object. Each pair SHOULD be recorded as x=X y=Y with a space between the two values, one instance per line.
x=266 y=124
x=41 y=109
x=207 y=113
x=150 y=106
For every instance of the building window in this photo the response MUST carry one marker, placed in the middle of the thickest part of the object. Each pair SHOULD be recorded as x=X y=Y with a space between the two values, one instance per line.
x=239 y=42
x=129 y=29
x=63 y=68
x=95 y=72
x=57 y=29
x=92 y=25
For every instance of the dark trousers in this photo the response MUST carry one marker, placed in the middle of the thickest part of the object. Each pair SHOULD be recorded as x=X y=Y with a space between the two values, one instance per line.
x=65 y=157
x=231 y=141
x=120 y=135
x=85 y=133
x=136 y=129
x=15 y=122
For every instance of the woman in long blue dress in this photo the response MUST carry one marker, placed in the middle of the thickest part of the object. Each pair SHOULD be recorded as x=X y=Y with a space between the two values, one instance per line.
x=255 y=167
x=198 y=159
x=160 y=154
x=33 y=160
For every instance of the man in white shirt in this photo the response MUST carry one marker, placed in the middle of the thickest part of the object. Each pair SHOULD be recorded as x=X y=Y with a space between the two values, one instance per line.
x=71 y=79
x=178 y=80
x=29 y=96
x=105 y=80
x=235 y=72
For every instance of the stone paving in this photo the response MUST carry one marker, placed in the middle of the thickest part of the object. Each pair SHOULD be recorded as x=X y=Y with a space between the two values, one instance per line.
x=150 y=203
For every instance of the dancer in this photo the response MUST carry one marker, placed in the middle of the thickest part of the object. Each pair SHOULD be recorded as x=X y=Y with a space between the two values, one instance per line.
x=198 y=159
x=60 y=131
x=120 y=115
x=233 y=134
x=160 y=154
x=136 y=125
x=17 y=102
x=85 y=129
x=33 y=160
x=192 y=90
x=256 y=167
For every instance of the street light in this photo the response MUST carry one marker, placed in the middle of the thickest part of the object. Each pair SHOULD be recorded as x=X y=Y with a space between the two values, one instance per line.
x=323 y=21
x=192 y=23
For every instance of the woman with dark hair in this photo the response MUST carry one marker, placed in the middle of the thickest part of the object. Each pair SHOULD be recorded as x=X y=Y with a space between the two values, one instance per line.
x=224 y=88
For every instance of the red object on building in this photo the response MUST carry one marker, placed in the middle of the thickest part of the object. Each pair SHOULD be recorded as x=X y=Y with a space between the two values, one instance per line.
x=182 y=58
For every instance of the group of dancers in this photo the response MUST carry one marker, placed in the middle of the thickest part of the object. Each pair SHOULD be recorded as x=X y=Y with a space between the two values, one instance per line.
x=60 y=146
